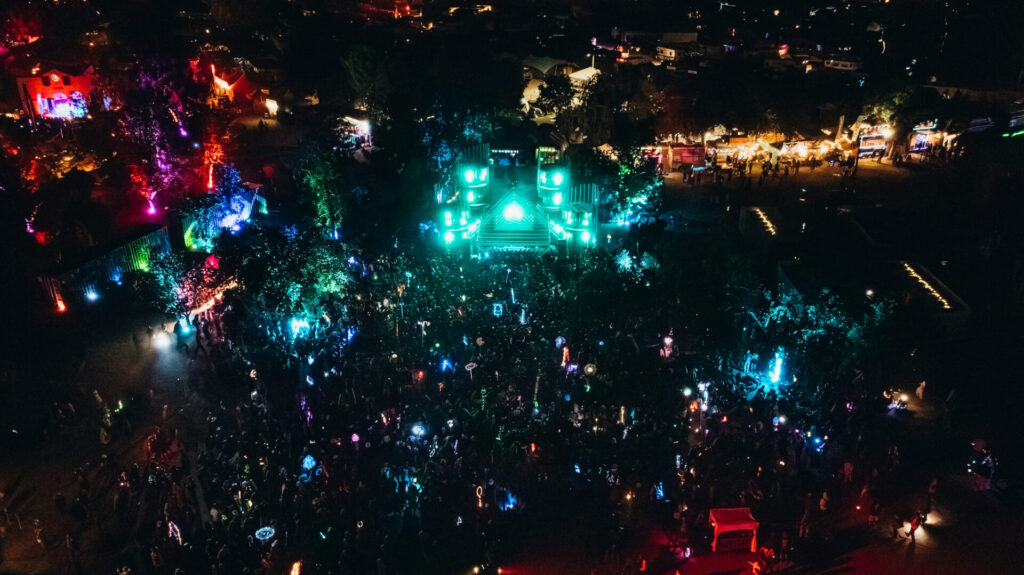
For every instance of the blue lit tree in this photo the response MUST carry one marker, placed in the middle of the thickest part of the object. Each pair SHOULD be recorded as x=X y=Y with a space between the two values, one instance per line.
x=824 y=339
x=286 y=275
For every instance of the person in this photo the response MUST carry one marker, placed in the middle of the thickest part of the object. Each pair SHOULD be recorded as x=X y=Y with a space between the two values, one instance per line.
x=915 y=523
x=873 y=514
x=897 y=523
x=40 y=537
x=920 y=389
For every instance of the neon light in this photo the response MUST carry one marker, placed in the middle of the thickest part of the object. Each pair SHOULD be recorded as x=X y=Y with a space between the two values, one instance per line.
x=209 y=179
x=510 y=502
x=557 y=178
x=418 y=430
x=776 y=373
x=296 y=568
x=308 y=463
x=557 y=199
x=449 y=237
x=264 y=534
x=470 y=197
x=469 y=175
x=585 y=236
x=91 y=295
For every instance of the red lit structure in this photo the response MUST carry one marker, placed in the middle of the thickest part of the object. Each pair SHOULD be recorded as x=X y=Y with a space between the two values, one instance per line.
x=56 y=93
x=735 y=519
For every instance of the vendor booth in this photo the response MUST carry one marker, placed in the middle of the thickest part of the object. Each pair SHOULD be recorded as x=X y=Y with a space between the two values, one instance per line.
x=731 y=520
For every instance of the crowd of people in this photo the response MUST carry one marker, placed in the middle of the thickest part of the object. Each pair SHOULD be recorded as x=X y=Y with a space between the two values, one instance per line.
x=473 y=406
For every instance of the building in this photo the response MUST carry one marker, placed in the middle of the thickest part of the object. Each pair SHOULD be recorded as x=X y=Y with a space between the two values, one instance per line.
x=582 y=78
x=490 y=209
x=54 y=93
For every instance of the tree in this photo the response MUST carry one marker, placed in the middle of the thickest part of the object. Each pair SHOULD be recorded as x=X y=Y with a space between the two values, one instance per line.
x=638 y=184
x=64 y=213
x=318 y=172
x=161 y=285
x=292 y=279
x=824 y=339
x=556 y=94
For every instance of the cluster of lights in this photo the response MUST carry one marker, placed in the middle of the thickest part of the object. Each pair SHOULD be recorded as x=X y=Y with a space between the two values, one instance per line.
x=927 y=286
x=478 y=178
x=555 y=180
x=768 y=225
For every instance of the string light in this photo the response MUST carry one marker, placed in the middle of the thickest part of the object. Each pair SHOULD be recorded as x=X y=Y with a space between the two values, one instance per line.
x=927 y=286
x=768 y=225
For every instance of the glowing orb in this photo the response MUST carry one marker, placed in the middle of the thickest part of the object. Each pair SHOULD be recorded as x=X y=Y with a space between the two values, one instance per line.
x=418 y=430
x=161 y=340
x=557 y=178
x=513 y=212
x=264 y=534
x=557 y=199
x=469 y=175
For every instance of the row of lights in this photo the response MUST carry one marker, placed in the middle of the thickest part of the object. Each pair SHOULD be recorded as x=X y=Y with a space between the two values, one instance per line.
x=927 y=286
x=768 y=225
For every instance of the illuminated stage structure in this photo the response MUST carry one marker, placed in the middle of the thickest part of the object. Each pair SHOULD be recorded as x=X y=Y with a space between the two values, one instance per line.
x=489 y=209
x=56 y=94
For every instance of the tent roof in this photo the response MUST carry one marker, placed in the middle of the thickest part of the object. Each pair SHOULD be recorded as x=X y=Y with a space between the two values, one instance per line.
x=584 y=75
x=542 y=63
x=733 y=519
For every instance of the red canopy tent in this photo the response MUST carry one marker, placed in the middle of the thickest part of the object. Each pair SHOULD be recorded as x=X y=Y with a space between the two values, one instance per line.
x=733 y=519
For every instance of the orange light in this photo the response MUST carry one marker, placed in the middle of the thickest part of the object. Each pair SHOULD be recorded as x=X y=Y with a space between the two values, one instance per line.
x=60 y=305
x=54 y=78
x=209 y=179
x=296 y=568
